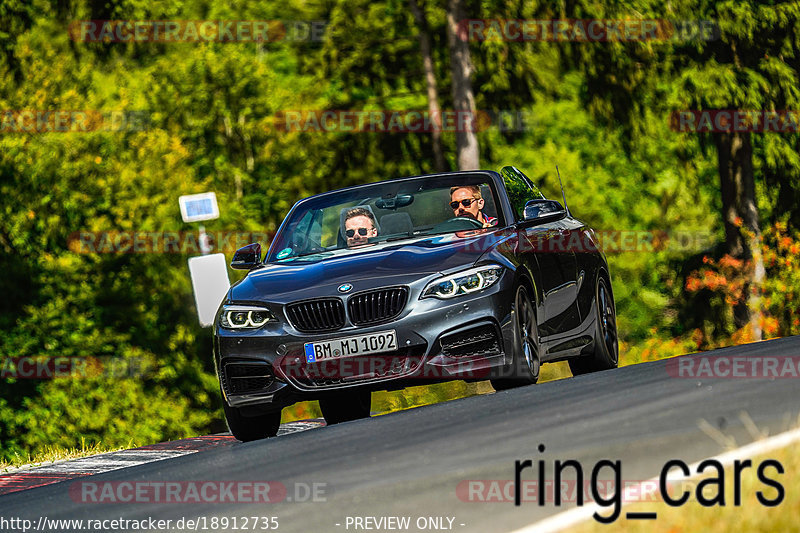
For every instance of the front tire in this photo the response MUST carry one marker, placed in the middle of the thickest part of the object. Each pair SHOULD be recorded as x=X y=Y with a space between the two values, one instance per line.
x=527 y=362
x=606 y=346
x=346 y=406
x=250 y=428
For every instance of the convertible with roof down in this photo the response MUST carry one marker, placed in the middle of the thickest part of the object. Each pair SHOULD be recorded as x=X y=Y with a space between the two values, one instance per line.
x=469 y=275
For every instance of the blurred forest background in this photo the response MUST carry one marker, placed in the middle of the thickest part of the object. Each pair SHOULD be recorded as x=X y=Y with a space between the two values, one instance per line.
x=599 y=110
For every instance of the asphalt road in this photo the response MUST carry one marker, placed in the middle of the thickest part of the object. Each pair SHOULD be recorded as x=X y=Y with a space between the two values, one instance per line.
x=411 y=463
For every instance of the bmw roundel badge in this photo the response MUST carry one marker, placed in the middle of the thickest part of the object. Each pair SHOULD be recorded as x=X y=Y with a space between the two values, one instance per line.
x=345 y=287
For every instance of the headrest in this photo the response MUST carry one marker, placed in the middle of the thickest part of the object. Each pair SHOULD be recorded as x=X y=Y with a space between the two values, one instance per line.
x=397 y=223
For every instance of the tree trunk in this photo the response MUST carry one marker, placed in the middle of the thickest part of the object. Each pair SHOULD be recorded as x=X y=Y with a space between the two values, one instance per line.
x=237 y=176
x=463 y=98
x=742 y=225
x=434 y=110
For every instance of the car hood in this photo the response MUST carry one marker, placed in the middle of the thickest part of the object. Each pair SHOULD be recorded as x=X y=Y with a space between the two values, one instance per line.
x=393 y=263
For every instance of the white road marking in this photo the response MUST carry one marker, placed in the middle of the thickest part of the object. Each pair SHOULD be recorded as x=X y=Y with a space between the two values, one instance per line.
x=106 y=462
x=296 y=427
x=576 y=515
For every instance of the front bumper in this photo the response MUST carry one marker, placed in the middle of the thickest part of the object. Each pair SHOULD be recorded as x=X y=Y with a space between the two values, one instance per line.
x=467 y=337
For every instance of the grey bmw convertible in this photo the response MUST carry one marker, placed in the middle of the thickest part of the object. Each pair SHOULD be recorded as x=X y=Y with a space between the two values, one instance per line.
x=468 y=275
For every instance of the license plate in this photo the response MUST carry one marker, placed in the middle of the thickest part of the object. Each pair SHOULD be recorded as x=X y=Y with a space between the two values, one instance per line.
x=383 y=341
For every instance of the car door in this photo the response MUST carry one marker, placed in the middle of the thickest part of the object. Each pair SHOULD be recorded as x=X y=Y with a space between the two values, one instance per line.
x=561 y=310
x=545 y=250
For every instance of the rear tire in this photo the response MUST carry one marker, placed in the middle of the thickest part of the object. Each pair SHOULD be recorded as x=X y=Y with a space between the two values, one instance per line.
x=250 y=428
x=346 y=406
x=606 y=347
x=527 y=362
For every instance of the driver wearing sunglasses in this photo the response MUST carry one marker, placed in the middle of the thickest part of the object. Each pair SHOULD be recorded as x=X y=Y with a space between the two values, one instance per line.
x=359 y=225
x=466 y=201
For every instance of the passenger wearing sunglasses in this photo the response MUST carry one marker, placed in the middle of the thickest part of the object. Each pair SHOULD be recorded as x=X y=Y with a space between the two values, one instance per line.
x=466 y=201
x=359 y=225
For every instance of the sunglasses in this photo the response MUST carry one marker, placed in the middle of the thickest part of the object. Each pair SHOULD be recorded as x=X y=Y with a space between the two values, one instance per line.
x=351 y=232
x=466 y=202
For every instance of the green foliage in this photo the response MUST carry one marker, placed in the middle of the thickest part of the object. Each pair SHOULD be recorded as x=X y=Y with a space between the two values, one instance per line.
x=641 y=193
x=113 y=411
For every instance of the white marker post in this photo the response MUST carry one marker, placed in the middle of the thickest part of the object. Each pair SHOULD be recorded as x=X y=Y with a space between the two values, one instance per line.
x=209 y=273
x=210 y=285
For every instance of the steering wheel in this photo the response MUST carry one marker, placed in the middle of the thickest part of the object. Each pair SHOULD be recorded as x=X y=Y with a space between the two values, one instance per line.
x=476 y=224
x=457 y=224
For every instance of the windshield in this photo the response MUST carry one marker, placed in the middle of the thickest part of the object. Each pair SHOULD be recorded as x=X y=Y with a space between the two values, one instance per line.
x=388 y=211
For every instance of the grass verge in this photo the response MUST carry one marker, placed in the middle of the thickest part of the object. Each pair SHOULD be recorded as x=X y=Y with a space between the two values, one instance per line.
x=52 y=454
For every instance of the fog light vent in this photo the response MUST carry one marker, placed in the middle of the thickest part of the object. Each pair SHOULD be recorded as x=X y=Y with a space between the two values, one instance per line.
x=481 y=340
x=247 y=378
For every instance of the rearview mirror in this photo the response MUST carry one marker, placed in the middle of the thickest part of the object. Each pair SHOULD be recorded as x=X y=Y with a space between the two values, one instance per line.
x=393 y=202
x=247 y=257
x=543 y=210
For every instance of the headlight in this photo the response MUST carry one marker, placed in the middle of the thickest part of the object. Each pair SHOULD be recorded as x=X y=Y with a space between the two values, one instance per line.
x=466 y=282
x=244 y=317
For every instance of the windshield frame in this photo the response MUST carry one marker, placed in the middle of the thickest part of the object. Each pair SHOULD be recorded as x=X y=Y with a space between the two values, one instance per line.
x=394 y=186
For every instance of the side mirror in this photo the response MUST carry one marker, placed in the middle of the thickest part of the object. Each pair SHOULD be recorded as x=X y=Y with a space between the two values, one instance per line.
x=544 y=210
x=247 y=257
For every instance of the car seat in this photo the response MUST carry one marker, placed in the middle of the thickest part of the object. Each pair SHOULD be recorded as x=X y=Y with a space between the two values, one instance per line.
x=397 y=224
